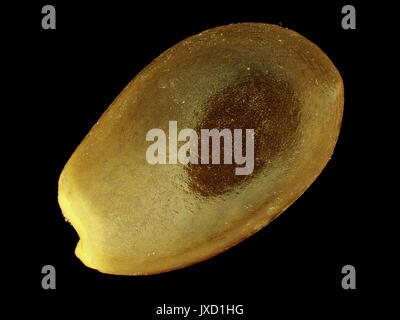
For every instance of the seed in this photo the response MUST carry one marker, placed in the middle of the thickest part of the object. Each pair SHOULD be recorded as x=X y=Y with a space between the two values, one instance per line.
x=257 y=76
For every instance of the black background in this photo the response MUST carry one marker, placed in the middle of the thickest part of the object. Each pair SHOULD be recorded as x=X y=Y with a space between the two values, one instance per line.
x=291 y=267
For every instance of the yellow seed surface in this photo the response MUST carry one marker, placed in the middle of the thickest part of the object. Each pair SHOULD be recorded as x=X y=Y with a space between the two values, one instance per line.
x=134 y=218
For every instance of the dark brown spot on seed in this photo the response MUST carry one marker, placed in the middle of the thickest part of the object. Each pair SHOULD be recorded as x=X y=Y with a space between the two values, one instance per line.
x=255 y=100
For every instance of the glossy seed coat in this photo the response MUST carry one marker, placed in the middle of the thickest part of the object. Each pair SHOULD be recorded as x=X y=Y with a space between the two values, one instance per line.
x=134 y=218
